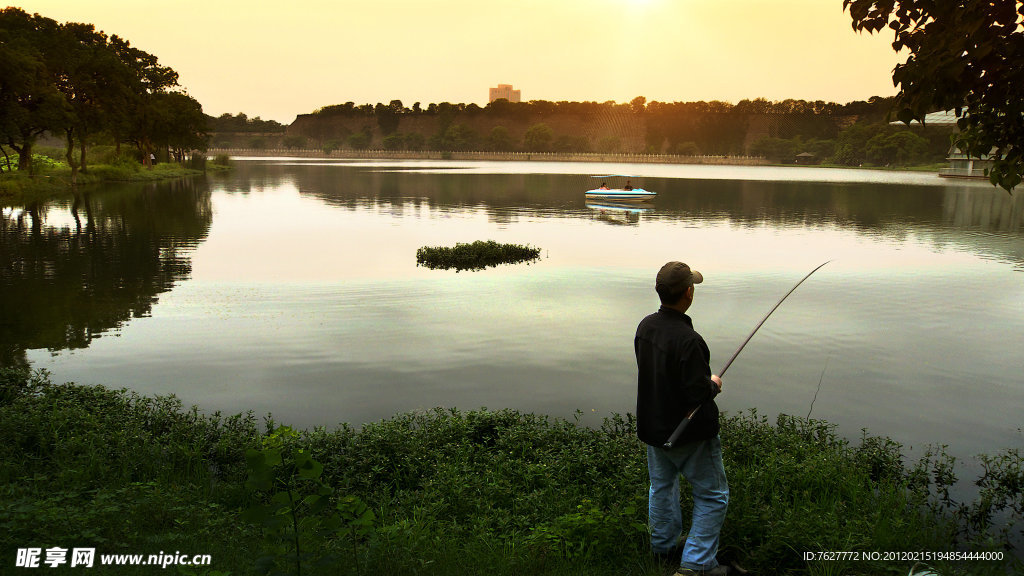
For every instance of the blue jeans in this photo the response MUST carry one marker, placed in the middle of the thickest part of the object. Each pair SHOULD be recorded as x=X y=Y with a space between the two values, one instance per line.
x=701 y=463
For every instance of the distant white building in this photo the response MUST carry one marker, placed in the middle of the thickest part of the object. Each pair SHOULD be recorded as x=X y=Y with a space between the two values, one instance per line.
x=503 y=91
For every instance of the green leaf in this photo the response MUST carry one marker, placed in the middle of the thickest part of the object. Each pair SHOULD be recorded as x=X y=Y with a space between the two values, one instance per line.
x=254 y=458
x=272 y=456
x=332 y=522
x=308 y=467
x=256 y=513
x=281 y=498
x=261 y=480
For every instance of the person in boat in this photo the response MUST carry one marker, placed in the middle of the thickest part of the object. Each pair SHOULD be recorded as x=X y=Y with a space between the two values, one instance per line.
x=603 y=186
x=627 y=186
x=674 y=376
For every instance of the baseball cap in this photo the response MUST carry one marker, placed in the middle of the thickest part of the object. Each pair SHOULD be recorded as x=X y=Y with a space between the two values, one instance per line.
x=677 y=277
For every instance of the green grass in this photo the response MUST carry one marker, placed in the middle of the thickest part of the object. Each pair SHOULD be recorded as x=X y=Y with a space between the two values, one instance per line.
x=55 y=180
x=449 y=492
x=932 y=167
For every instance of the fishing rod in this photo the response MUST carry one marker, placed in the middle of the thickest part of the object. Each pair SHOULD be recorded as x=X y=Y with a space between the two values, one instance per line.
x=686 y=420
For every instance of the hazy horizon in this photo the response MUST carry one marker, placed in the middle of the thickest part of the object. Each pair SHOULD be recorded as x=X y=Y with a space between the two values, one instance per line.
x=276 y=62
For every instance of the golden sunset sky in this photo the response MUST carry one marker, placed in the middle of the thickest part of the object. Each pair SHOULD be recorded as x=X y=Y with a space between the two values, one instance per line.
x=277 y=59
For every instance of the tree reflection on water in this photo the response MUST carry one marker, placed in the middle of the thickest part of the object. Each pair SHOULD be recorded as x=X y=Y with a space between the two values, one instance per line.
x=74 y=271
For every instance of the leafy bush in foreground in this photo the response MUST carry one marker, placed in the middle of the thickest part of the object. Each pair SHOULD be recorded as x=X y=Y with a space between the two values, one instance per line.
x=450 y=492
x=476 y=256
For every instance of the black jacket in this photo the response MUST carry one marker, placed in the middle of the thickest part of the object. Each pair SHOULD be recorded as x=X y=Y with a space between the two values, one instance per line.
x=674 y=377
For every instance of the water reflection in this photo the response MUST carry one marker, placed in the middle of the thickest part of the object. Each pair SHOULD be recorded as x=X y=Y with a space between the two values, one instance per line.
x=988 y=212
x=74 y=270
x=938 y=213
x=616 y=213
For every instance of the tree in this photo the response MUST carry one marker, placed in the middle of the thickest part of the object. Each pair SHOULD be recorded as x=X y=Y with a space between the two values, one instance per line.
x=563 y=143
x=388 y=116
x=393 y=142
x=413 y=141
x=499 y=140
x=93 y=82
x=242 y=123
x=290 y=142
x=183 y=124
x=964 y=55
x=458 y=137
x=30 y=103
x=687 y=149
x=538 y=138
x=609 y=145
x=775 y=149
x=142 y=118
x=822 y=149
x=852 y=142
x=900 y=148
x=331 y=146
x=359 y=140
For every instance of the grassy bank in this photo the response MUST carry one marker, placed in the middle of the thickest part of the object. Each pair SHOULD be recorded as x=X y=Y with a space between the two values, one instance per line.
x=441 y=492
x=931 y=167
x=52 y=178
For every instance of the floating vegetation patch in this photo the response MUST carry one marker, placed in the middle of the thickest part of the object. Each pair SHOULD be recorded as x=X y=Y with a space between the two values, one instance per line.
x=475 y=256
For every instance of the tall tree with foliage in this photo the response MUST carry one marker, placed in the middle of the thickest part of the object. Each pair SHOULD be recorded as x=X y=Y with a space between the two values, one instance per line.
x=538 y=138
x=30 y=103
x=389 y=116
x=964 y=55
x=143 y=112
x=71 y=80
x=180 y=123
x=92 y=81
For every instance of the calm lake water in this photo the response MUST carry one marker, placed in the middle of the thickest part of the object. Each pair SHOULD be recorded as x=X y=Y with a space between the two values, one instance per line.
x=291 y=287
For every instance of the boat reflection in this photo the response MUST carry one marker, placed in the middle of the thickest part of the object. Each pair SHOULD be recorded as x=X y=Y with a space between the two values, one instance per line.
x=616 y=213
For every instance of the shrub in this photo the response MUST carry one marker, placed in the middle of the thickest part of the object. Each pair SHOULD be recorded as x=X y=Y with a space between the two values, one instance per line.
x=609 y=145
x=103 y=154
x=359 y=140
x=476 y=256
x=290 y=142
x=538 y=138
x=54 y=153
x=393 y=142
x=687 y=149
x=414 y=141
x=450 y=492
x=499 y=139
x=122 y=167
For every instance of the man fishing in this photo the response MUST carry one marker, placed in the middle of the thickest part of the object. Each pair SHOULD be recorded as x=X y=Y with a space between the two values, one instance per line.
x=674 y=378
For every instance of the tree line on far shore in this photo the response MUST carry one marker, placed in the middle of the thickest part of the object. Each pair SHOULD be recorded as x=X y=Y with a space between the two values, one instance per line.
x=75 y=82
x=786 y=131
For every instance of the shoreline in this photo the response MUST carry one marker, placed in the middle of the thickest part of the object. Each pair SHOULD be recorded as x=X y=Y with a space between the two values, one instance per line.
x=493 y=156
x=593 y=157
x=17 y=189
